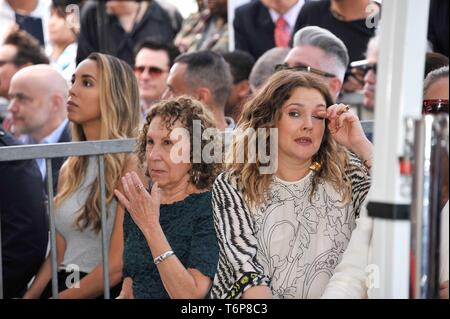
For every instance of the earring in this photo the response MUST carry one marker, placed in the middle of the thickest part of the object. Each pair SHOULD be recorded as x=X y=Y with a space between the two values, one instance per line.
x=315 y=166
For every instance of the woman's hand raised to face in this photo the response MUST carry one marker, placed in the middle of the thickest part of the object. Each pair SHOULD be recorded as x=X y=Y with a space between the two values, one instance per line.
x=142 y=206
x=346 y=129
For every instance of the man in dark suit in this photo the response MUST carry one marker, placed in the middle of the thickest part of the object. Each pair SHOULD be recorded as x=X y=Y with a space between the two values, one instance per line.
x=38 y=110
x=18 y=50
x=24 y=224
x=57 y=162
x=259 y=24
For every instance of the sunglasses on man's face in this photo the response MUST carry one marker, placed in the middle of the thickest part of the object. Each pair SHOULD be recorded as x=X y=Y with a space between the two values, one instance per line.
x=435 y=106
x=152 y=70
x=303 y=68
x=363 y=67
x=369 y=67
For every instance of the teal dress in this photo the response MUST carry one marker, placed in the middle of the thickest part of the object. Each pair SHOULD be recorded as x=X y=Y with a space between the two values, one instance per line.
x=189 y=228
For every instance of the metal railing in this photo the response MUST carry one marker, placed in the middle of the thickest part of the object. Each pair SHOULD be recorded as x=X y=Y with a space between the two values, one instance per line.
x=431 y=142
x=49 y=152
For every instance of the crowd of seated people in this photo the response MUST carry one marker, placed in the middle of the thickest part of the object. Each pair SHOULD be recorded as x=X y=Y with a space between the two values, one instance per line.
x=249 y=176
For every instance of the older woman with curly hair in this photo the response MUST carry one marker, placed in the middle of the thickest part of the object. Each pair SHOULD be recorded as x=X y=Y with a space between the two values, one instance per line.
x=282 y=232
x=170 y=244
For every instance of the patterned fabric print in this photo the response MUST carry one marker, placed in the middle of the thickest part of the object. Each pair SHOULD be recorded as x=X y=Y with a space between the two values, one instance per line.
x=237 y=243
x=192 y=35
x=239 y=286
x=320 y=232
x=301 y=242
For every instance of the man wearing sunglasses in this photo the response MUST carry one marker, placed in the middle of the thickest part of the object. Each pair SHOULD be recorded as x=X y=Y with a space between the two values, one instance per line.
x=153 y=61
x=435 y=94
x=368 y=69
x=320 y=52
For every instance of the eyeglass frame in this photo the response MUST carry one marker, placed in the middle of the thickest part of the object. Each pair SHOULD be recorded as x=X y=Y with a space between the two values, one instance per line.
x=303 y=68
x=438 y=106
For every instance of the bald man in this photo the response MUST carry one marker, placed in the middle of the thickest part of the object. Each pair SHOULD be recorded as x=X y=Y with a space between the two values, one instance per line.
x=38 y=96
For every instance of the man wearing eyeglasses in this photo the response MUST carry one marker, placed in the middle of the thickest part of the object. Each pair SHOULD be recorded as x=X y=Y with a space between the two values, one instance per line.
x=18 y=51
x=152 y=64
x=320 y=52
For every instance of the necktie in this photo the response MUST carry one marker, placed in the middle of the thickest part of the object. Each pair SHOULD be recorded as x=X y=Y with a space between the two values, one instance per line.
x=282 y=34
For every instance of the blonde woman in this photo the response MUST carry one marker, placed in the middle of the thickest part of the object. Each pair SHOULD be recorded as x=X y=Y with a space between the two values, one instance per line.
x=103 y=104
x=281 y=235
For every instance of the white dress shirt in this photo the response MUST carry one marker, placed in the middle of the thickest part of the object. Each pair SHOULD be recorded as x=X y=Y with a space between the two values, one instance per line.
x=50 y=139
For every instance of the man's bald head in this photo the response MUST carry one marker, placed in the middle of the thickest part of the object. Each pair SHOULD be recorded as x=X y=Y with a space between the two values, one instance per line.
x=44 y=77
x=38 y=96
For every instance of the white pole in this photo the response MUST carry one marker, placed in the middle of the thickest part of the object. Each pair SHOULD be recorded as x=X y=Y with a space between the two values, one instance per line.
x=232 y=5
x=403 y=42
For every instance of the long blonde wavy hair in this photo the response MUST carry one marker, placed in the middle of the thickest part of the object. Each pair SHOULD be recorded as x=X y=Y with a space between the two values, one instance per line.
x=119 y=109
x=263 y=110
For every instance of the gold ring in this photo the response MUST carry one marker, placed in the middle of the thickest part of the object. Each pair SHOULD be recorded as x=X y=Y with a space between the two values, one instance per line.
x=347 y=108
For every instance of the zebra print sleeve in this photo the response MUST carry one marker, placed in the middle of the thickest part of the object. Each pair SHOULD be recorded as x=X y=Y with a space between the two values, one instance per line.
x=238 y=267
x=360 y=180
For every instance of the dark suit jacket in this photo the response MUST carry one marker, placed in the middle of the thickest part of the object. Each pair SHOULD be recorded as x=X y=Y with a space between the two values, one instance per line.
x=24 y=224
x=57 y=162
x=254 y=28
x=438 y=29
